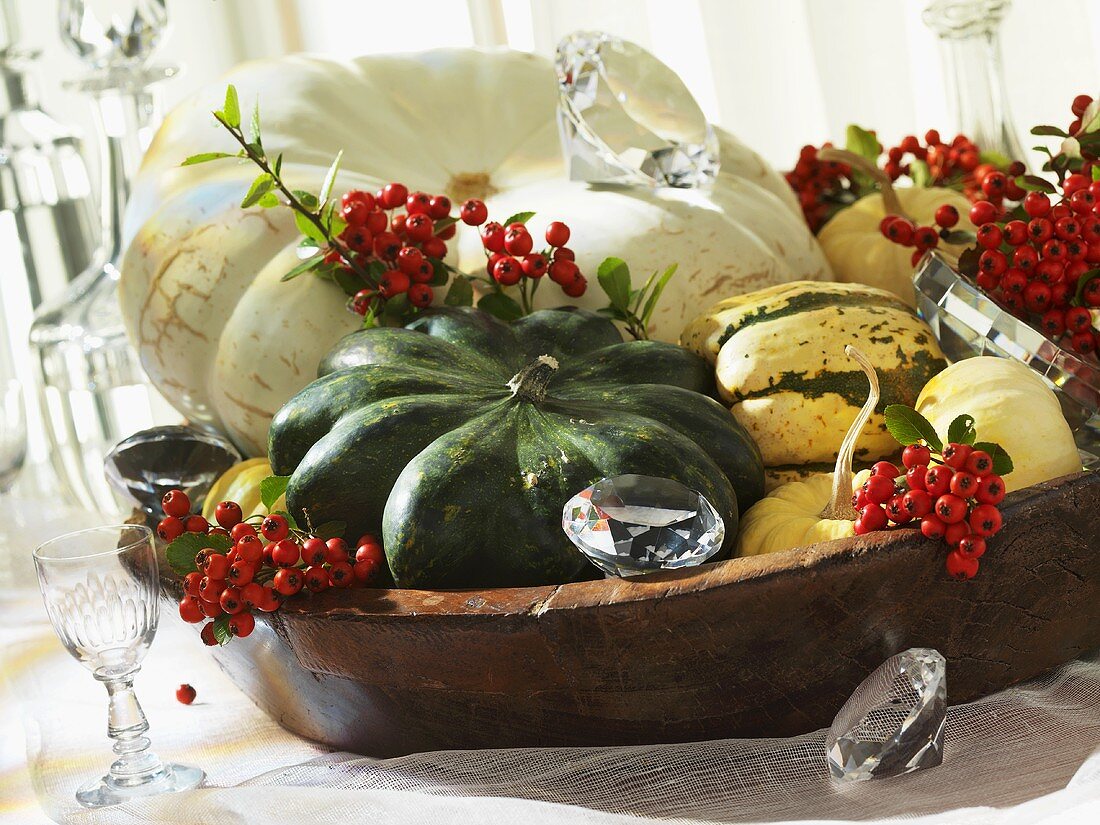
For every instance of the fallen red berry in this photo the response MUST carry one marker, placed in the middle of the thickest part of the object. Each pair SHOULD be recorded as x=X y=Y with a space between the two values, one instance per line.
x=185 y=694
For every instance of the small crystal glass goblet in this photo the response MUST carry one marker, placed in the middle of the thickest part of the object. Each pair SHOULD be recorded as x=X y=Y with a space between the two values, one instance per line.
x=101 y=592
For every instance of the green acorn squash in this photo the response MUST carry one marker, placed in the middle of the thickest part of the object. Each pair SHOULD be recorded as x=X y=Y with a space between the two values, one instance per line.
x=462 y=437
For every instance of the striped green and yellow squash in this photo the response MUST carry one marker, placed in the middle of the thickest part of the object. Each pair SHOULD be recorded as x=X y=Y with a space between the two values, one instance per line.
x=462 y=437
x=779 y=359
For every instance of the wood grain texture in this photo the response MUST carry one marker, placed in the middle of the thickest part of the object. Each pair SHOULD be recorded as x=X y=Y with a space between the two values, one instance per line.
x=759 y=646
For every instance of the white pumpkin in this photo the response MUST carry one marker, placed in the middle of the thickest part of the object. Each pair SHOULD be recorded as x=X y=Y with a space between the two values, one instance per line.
x=859 y=254
x=228 y=344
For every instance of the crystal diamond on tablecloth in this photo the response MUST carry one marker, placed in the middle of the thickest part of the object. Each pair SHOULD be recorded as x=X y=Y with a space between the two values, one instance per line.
x=626 y=117
x=893 y=723
x=631 y=524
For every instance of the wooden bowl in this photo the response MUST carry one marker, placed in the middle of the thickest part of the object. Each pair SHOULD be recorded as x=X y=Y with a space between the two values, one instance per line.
x=761 y=646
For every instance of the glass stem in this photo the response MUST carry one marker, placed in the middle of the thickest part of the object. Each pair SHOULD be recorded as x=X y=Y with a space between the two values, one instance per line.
x=127 y=726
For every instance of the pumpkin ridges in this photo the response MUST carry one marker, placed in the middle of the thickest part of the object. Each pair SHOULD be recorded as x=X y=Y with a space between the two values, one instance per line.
x=471 y=330
x=642 y=362
x=400 y=345
x=564 y=333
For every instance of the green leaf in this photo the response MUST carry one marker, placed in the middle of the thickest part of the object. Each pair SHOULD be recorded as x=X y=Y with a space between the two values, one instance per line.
x=331 y=530
x=500 y=305
x=396 y=306
x=957 y=236
x=232 y=109
x=920 y=173
x=271 y=489
x=439 y=273
x=996 y=158
x=614 y=277
x=278 y=167
x=347 y=281
x=254 y=126
x=1002 y=463
x=443 y=223
x=330 y=177
x=289 y=518
x=861 y=142
x=205 y=157
x=182 y=551
x=655 y=295
x=1082 y=282
x=908 y=426
x=221 y=629
x=1034 y=183
x=961 y=430
x=1052 y=131
x=1096 y=173
x=307 y=199
x=519 y=217
x=260 y=187
x=461 y=293
x=268 y=200
x=303 y=267
x=331 y=220
x=309 y=229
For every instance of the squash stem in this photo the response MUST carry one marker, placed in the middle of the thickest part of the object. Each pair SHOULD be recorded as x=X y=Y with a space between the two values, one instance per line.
x=889 y=196
x=529 y=384
x=840 y=504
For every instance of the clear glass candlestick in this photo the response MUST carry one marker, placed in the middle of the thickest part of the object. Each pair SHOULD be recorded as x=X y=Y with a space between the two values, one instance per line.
x=100 y=587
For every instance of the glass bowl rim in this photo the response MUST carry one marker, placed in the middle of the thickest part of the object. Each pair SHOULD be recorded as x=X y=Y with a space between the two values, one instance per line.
x=40 y=556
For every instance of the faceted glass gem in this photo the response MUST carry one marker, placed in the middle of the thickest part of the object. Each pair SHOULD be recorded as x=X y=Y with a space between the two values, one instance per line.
x=893 y=723
x=633 y=524
x=626 y=117
x=148 y=464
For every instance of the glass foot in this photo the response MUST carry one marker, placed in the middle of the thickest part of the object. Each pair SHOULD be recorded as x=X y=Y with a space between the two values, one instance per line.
x=100 y=793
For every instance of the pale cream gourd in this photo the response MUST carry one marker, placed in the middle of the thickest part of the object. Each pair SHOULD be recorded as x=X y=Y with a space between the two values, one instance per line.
x=228 y=344
x=1013 y=407
x=818 y=508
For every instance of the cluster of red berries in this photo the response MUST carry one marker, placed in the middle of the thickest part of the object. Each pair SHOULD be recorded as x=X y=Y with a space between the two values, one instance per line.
x=819 y=184
x=1033 y=267
x=402 y=232
x=262 y=567
x=511 y=255
x=953 y=496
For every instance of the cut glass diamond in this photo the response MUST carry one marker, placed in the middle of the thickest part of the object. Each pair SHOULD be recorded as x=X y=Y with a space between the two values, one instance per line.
x=894 y=721
x=633 y=524
x=626 y=117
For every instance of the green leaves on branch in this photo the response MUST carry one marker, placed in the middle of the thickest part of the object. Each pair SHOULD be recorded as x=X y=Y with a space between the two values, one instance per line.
x=632 y=307
x=502 y=306
x=519 y=217
x=961 y=430
x=206 y=157
x=181 y=551
x=908 y=426
x=461 y=293
x=272 y=489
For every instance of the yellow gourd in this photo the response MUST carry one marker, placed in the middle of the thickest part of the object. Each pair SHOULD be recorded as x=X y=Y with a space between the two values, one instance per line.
x=1013 y=407
x=817 y=509
x=241 y=483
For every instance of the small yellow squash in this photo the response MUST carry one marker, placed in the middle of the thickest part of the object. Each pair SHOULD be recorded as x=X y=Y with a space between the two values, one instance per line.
x=1013 y=407
x=241 y=483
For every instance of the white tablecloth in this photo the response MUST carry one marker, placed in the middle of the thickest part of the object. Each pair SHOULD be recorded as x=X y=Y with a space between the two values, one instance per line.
x=1029 y=755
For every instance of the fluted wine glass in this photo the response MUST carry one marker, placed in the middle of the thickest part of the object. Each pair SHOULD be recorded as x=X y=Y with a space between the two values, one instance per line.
x=101 y=592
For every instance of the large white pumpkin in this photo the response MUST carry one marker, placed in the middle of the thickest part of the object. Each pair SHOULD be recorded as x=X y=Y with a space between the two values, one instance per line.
x=228 y=344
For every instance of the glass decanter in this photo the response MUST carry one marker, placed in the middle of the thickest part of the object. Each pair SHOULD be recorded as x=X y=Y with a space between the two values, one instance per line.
x=970 y=48
x=93 y=390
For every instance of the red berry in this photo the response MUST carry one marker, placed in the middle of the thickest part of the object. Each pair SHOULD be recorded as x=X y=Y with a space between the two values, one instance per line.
x=535 y=266
x=950 y=508
x=365 y=571
x=980 y=463
x=898 y=230
x=191 y=583
x=366 y=538
x=228 y=514
x=336 y=551
x=896 y=510
x=286 y=553
x=316 y=579
x=241 y=572
x=955 y=455
x=1080 y=103
x=361 y=301
x=341 y=574
x=176 y=503
x=960 y=567
x=190 y=610
x=947 y=216
x=915 y=477
x=252 y=594
x=1040 y=230
x=982 y=212
x=915 y=455
x=937 y=480
x=994 y=184
x=879 y=489
x=418 y=203
x=993 y=261
x=564 y=254
x=557 y=234
x=370 y=552
x=242 y=624
x=860 y=499
x=1037 y=297
x=207 y=635
x=216 y=566
x=972 y=546
x=250 y=549
x=439 y=207
x=964 y=484
x=473 y=212
x=885 y=468
x=230 y=600
x=577 y=288
x=433 y=248
x=492 y=237
x=1083 y=342
x=275 y=527
x=288 y=581
x=210 y=609
x=393 y=195
x=185 y=694
x=387 y=245
x=507 y=271
x=990 y=236
x=563 y=272
x=240 y=530
x=1015 y=233
x=991 y=490
x=272 y=599
x=421 y=295
x=1036 y=204
x=917 y=503
x=419 y=228
x=313 y=551
x=985 y=520
x=357 y=197
x=376 y=224
x=953 y=533
x=409 y=259
x=170 y=528
x=196 y=524
x=925 y=238
x=1078 y=319
x=931 y=527
x=518 y=242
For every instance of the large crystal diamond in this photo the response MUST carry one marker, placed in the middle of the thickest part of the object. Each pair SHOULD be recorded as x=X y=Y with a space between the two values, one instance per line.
x=626 y=117
x=894 y=721
x=633 y=524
